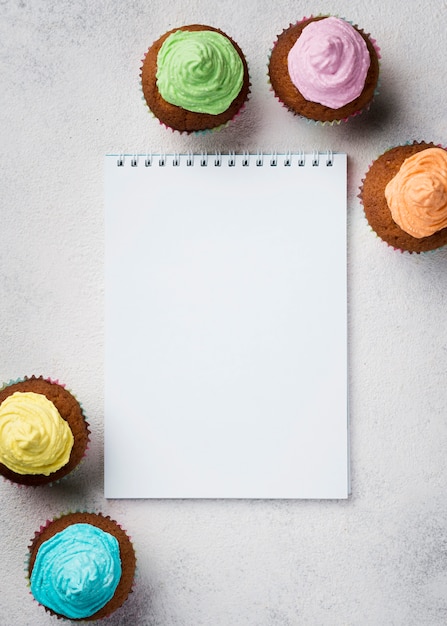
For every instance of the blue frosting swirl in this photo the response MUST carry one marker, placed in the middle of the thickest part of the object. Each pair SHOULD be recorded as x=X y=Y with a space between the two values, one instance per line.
x=77 y=571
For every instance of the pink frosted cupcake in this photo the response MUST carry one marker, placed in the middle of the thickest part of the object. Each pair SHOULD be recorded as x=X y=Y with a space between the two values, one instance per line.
x=43 y=432
x=324 y=69
x=404 y=195
x=81 y=566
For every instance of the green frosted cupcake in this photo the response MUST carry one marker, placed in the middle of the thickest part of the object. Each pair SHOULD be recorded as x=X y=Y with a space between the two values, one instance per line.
x=195 y=78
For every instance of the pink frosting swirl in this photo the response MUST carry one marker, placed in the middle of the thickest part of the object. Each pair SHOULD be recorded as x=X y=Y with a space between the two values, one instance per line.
x=329 y=62
x=417 y=195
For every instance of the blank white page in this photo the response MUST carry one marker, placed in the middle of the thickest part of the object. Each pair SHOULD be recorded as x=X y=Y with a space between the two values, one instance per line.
x=225 y=328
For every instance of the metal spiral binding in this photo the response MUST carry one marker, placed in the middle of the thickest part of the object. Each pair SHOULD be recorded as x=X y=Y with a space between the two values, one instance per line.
x=286 y=159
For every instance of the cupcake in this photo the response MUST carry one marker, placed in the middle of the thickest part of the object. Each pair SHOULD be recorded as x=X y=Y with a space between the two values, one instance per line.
x=404 y=195
x=81 y=566
x=195 y=78
x=43 y=432
x=324 y=69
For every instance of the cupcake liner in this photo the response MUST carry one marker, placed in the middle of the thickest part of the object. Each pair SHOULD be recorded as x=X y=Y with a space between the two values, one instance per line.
x=199 y=132
x=345 y=119
x=51 y=481
x=371 y=228
x=205 y=131
x=124 y=589
x=383 y=242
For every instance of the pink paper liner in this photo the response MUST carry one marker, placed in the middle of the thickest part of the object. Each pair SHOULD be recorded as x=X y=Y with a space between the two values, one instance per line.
x=205 y=131
x=50 y=483
x=355 y=113
x=371 y=229
x=37 y=533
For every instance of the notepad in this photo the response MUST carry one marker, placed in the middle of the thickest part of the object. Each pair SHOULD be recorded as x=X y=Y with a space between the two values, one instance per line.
x=226 y=326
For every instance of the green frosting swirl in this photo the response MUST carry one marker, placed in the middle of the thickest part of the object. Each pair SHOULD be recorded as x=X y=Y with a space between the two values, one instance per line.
x=200 y=71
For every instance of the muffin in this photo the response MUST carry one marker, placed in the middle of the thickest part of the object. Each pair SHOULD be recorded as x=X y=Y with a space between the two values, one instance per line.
x=81 y=566
x=324 y=69
x=195 y=78
x=404 y=195
x=43 y=432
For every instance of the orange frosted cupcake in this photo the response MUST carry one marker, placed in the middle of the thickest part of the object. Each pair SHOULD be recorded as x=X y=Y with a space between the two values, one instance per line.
x=404 y=195
x=195 y=78
x=324 y=69
x=81 y=566
x=43 y=432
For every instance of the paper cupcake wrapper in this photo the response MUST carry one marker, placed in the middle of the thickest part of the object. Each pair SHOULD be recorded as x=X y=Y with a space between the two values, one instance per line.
x=385 y=243
x=400 y=250
x=351 y=115
x=50 y=482
x=371 y=229
x=368 y=225
x=205 y=131
x=37 y=534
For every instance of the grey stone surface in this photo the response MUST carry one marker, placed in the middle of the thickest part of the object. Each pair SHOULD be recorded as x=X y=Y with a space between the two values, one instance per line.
x=69 y=94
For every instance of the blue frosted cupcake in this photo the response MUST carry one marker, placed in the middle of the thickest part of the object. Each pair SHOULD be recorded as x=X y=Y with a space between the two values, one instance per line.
x=81 y=566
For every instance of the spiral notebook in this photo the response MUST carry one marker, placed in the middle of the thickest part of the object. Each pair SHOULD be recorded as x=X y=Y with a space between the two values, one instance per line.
x=225 y=326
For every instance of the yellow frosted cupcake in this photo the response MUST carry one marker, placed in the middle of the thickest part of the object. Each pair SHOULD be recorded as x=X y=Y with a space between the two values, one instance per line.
x=43 y=432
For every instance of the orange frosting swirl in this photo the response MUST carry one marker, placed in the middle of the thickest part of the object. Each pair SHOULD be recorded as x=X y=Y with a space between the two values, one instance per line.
x=417 y=195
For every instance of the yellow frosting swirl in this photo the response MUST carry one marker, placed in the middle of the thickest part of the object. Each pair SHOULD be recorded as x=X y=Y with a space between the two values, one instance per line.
x=417 y=195
x=34 y=438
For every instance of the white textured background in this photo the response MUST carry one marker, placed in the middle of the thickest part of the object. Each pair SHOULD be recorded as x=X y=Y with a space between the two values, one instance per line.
x=69 y=93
